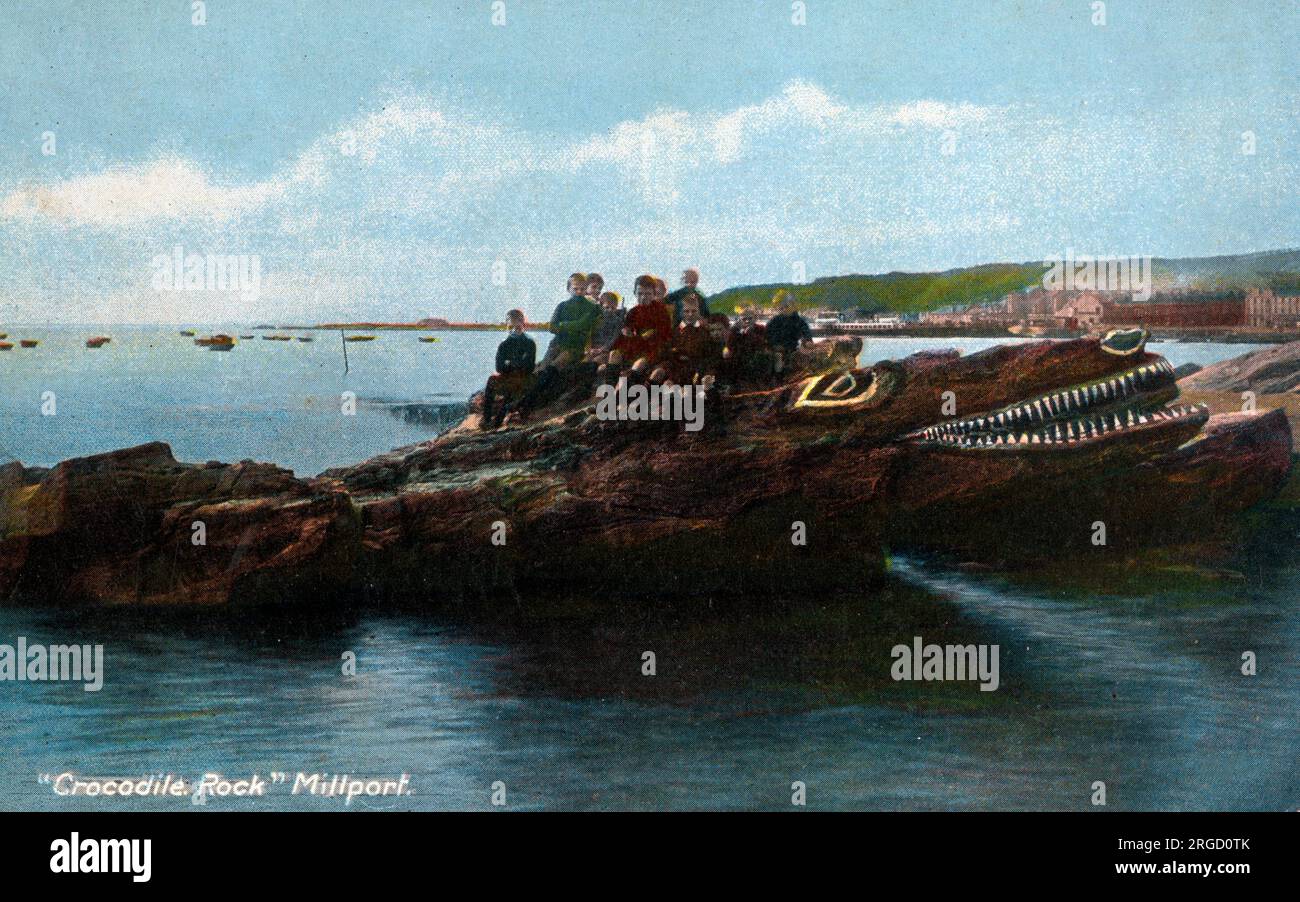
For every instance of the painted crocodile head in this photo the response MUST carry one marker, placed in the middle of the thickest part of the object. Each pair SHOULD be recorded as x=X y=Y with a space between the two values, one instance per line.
x=1130 y=404
x=1039 y=397
x=1054 y=435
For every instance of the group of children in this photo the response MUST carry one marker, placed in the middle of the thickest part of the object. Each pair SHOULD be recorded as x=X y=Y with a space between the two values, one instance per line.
x=665 y=338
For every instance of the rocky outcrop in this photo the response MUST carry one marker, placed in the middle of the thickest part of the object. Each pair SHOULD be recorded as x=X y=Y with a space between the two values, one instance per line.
x=135 y=526
x=794 y=488
x=1270 y=371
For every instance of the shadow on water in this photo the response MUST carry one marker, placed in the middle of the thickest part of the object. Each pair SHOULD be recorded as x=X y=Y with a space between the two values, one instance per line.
x=761 y=656
x=756 y=656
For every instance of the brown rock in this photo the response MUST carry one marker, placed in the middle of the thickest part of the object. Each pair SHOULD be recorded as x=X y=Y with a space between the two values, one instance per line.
x=1269 y=371
x=120 y=528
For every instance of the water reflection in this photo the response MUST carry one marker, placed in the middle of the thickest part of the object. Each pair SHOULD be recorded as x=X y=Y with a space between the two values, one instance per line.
x=1140 y=689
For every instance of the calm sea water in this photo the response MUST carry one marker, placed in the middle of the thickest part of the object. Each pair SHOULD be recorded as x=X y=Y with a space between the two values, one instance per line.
x=1124 y=677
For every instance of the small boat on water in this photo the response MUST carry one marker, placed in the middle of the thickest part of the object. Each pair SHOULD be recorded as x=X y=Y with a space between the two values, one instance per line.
x=306 y=338
x=6 y=346
x=188 y=333
x=428 y=339
x=277 y=338
x=3 y=335
x=247 y=337
x=29 y=342
x=220 y=342
x=359 y=338
x=98 y=341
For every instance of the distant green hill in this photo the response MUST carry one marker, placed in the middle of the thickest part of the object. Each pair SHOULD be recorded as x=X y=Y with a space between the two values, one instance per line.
x=1271 y=268
x=900 y=292
x=895 y=292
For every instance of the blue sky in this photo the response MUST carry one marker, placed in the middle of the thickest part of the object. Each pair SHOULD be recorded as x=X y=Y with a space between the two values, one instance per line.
x=397 y=159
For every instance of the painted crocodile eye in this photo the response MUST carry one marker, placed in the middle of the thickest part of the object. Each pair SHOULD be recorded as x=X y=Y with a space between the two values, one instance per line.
x=1123 y=342
x=845 y=385
x=837 y=390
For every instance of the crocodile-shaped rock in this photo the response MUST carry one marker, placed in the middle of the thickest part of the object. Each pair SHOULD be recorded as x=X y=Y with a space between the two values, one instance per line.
x=789 y=489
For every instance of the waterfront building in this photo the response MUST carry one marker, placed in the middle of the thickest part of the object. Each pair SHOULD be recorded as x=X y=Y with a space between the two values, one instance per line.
x=1265 y=309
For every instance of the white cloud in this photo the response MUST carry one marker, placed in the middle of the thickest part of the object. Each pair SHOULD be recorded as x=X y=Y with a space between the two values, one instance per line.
x=163 y=189
x=404 y=211
x=451 y=154
x=800 y=105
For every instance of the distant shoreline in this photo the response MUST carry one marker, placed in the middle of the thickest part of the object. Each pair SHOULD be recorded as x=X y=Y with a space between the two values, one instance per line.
x=401 y=327
x=1190 y=336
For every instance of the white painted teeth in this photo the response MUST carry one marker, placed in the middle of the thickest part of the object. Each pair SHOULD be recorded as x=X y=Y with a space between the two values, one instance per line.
x=1035 y=420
